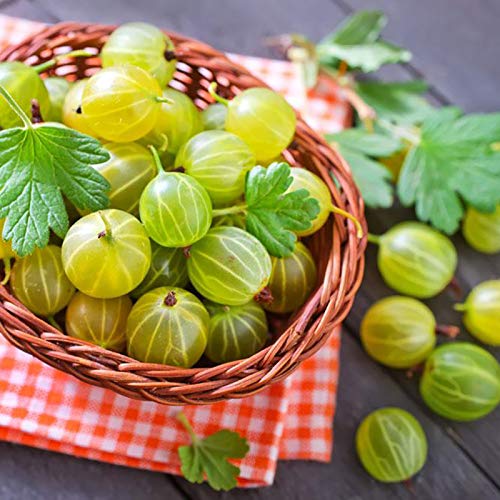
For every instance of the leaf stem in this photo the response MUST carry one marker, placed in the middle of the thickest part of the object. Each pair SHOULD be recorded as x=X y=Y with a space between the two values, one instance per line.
x=212 y=91
x=460 y=307
x=236 y=209
x=40 y=68
x=374 y=238
x=181 y=417
x=157 y=159
x=7 y=271
x=15 y=107
x=347 y=215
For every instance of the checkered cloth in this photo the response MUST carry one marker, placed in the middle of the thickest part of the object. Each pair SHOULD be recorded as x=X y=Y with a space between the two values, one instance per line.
x=42 y=407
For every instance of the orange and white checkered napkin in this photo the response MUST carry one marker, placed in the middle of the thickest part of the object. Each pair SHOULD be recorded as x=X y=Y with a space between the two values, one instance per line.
x=42 y=407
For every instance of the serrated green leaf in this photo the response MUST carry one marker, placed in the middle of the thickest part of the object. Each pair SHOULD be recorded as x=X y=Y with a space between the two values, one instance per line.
x=452 y=163
x=37 y=166
x=365 y=57
x=401 y=102
x=364 y=26
x=272 y=213
x=208 y=458
x=371 y=144
x=372 y=178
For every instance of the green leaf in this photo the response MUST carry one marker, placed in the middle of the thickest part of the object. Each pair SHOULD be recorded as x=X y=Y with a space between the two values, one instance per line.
x=208 y=457
x=272 y=213
x=372 y=178
x=362 y=141
x=401 y=102
x=37 y=166
x=367 y=57
x=452 y=163
x=364 y=26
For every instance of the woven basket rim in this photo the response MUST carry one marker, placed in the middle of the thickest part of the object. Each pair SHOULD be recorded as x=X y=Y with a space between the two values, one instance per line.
x=171 y=385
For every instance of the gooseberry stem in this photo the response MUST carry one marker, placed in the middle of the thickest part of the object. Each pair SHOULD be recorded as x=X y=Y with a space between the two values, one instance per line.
x=374 y=238
x=450 y=331
x=212 y=91
x=163 y=99
x=236 y=209
x=40 y=68
x=460 y=307
x=107 y=227
x=15 y=107
x=347 y=215
x=7 y=271
x=54 y=323
x=157 y=159
x=185 y=423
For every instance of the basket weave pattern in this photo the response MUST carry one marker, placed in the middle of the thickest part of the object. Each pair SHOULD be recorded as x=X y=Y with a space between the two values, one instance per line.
x=337 y=250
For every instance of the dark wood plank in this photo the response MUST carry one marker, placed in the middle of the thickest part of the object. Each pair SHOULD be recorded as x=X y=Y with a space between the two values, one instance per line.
x=455 y=45
x=365 y=387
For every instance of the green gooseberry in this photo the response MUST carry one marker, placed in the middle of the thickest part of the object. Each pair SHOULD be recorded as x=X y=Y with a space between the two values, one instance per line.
x=175 y=208
x=292 y=280
x=229 y=266
x=213 y=117
x=235 y=332
x=57 y=88
x=399 y=332
x=168 y=268
x=461 y=381
x=482 y=312
x=391 y=445
x=482 y=230
x=415 y=259
x=168 y=325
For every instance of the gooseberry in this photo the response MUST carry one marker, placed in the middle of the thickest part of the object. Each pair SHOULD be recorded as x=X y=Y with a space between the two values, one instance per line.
x=461 y=381
x=482 y=230
x=72 y=115
x=100 y=321
x=229 y=266
x=6 y=254
x=213 y=117
x=106 y=254
x=235 y=332
x=415 y=259
x=391 y=445
x=168 y=325
x=39 y=282
x=57 y=88
x=292 y=280
x=482 y=312
x=399 y=332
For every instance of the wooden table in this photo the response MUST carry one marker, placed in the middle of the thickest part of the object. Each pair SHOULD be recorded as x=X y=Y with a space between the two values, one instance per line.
x=456 y=48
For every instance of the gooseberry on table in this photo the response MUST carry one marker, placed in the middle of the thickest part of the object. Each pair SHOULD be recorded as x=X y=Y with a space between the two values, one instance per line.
x=57 y=88
x=106 y=254
x=262 y=118
x=40 y=283
x=219 y=161
x=391 y=445
x=168 y=325
x=142 y=45
x=399 y=332
x=415 y=259
x=229 y=266
x=292 y=280
x=235 y=332
x=129 y=170
x=482 y=230
x=461 y=381
x=175 y=208
x=168 y=268
x=481 y=312
x=100 y=321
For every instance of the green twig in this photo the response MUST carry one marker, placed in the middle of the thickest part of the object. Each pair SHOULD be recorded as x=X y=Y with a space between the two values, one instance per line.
x=185 y=423
x=212 y=91
x=40 y=68
x=236 y=209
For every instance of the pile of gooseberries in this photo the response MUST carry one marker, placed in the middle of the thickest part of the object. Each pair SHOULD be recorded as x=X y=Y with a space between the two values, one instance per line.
x=167 y=272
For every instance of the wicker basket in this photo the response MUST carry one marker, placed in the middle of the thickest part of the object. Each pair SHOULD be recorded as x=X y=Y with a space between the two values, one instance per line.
x=337 y=250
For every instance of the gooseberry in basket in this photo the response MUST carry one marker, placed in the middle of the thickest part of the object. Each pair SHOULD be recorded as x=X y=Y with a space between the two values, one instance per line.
x=235 y=332
x=219 y=161
x=58 y=89
x=106 y=254
x=142 y=45
x=461 y=381
x=391 y=445
x=214 y=116
x=100 y=321
x=482 y=230
x=292 y=280
x=72 y=115
x=39 y=282
x=415 y=259
x=229 y=266
x=6 y=254
x=168 y=325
